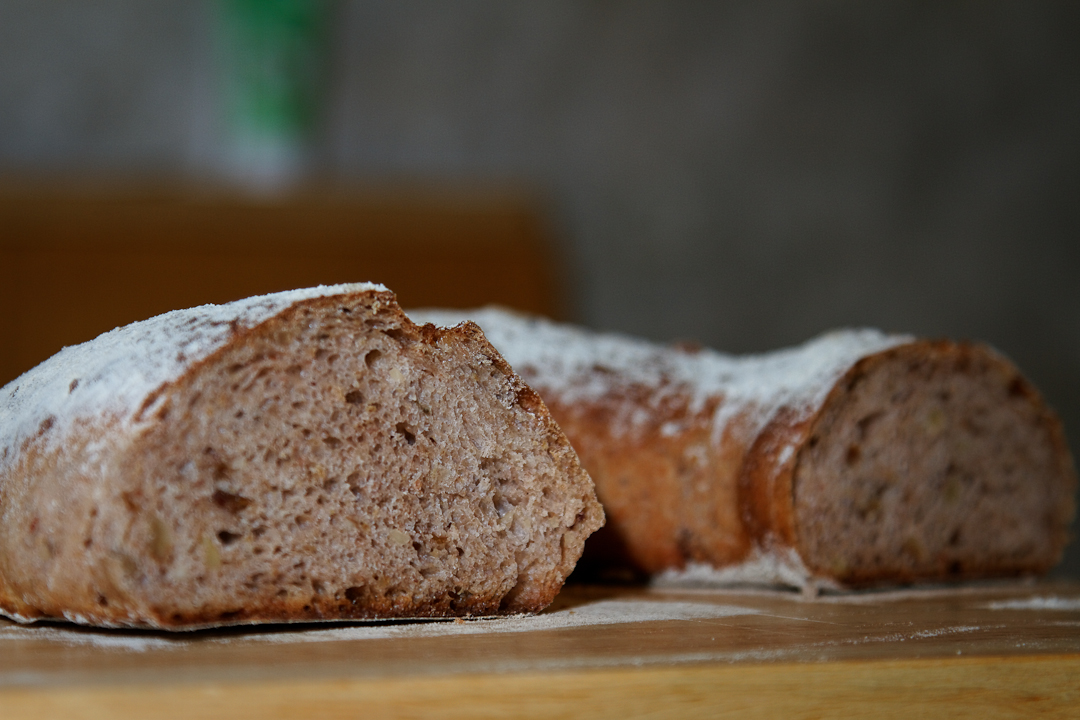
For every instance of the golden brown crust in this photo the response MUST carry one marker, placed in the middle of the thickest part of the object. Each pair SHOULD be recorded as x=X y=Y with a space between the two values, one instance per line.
x=765 y=497
x=669 y=498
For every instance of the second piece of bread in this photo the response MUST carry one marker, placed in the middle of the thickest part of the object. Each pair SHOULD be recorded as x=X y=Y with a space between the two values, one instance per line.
x=856 y=459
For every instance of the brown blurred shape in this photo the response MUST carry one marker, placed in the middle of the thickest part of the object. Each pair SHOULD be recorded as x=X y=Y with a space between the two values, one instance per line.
x=76 y=264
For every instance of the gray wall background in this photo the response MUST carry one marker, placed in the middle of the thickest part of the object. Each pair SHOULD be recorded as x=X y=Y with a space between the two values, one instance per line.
x=747 y=174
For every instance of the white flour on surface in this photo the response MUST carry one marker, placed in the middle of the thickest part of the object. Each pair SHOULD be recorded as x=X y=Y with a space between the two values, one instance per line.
x=941 y=632
x=603 y=612
x=781 y=568
x=1051 y=602
x=114 y=373
x=127 y=641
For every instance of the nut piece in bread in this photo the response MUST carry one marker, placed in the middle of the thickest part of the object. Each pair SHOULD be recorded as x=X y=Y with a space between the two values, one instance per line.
x=310 y=455
x=856 y=459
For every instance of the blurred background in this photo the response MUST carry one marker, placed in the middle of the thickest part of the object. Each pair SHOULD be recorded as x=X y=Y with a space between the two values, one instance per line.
x=745 y=174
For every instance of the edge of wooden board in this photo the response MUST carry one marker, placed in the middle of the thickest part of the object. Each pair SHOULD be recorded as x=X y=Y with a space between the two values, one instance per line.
x=983 y=687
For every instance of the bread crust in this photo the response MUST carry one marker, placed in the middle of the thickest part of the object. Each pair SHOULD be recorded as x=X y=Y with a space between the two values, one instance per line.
x=86 y=532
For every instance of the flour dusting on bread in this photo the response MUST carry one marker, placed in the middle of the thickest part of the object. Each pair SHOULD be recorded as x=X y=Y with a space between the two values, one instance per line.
x=115 y=373
x=582 y=366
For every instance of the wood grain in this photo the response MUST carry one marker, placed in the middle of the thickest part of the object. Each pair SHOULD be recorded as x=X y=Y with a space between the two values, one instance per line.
x=1004 y=650
x=973 y=688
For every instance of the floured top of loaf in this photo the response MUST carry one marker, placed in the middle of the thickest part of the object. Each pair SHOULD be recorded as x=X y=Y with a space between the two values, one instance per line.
x=577 y=364
x=115 y=372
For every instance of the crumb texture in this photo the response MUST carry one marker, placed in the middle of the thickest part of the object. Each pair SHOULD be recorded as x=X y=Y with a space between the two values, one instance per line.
x=329 y=460
x=935 y=461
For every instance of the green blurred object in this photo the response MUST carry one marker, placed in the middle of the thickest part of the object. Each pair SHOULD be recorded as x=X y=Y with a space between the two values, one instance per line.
x=273 y=62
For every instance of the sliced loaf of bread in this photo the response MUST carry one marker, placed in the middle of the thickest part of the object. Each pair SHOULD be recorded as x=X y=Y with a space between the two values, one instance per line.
x=309 y=455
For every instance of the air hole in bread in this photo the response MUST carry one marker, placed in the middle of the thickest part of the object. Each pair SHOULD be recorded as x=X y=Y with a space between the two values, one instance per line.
x=230 y=502
x=228 y=538
x=355 y=484
x=853 y=454
x=403 y=430
x=502 y=505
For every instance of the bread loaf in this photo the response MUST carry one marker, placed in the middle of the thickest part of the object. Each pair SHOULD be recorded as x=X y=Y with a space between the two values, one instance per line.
x=856 y=459
x=309 y=455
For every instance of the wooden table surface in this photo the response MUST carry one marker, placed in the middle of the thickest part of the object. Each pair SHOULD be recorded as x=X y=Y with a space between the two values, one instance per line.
x=997 y=650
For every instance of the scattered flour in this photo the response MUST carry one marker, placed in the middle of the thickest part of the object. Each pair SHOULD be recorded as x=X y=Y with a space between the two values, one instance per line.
x=939 y=632
x=603 y=612
x=1051 y=602
x=782 y=568
x=129 y=641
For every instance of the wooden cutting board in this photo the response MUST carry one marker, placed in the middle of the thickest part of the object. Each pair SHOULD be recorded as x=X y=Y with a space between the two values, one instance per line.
x=987 y=651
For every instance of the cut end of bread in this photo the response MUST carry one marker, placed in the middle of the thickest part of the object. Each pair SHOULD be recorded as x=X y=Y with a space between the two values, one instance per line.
x=336 y=461
x=932 y=461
